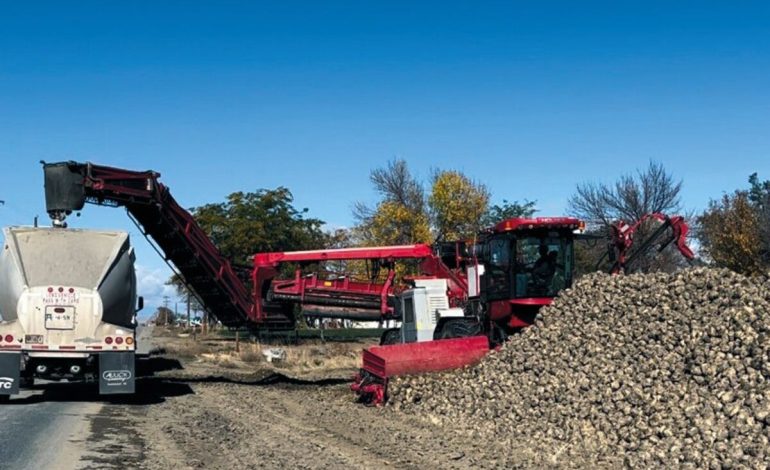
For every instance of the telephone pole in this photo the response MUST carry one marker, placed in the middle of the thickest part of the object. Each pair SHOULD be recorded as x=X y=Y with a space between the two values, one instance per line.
x=166 y=300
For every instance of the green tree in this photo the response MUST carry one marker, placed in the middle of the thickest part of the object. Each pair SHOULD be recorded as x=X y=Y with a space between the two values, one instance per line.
x=457 y=205
x=759 y=194
x=261 y=221
x=759 y=191
x=254 y=222
x=164 y=316
x=509 y=210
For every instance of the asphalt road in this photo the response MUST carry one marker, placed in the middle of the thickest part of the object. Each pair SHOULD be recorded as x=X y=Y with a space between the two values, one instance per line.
x=47 y=427
x=38 y=434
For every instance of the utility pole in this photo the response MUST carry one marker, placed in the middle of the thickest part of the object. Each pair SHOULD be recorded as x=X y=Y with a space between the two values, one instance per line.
x=165 y=309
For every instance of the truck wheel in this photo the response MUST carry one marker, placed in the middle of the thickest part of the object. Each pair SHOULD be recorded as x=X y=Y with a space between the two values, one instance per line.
x=457 y=328
x=390 y=336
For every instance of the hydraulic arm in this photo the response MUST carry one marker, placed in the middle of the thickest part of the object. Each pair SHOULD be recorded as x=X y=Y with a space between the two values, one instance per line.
x=626 y=250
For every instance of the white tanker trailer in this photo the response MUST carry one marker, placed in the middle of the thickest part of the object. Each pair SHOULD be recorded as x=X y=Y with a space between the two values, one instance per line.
x=67 y=308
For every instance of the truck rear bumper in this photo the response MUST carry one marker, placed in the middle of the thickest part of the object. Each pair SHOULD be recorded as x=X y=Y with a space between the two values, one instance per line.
x=114 y=371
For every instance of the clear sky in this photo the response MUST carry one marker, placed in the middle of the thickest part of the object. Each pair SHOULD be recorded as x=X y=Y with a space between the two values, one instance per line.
x=528 y=97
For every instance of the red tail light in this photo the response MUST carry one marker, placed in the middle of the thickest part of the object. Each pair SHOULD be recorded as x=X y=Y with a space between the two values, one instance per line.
x=8 y=339
x=118 y=340
x=108 y=340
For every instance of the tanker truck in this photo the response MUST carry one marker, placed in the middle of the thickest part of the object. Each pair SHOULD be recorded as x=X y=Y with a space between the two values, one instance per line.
x=68 y=308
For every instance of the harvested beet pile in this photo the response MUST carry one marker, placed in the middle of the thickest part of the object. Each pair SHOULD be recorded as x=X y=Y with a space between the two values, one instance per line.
x=643 y=370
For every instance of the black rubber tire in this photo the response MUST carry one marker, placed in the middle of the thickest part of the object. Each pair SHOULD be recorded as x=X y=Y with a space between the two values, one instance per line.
x=390 y=336
x=497 y=336
x=457 y=328
x=5 y=398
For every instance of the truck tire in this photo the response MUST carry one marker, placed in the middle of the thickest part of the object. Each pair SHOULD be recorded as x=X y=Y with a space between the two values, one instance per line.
x=457 y=328
x=390 y=336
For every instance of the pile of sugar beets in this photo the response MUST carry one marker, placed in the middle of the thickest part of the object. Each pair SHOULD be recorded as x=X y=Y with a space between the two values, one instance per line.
x=656 y=370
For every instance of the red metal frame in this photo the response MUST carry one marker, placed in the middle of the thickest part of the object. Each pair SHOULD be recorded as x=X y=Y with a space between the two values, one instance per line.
x=340 y=292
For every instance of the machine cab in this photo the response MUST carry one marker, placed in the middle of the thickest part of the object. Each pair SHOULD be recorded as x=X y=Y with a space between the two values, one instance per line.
x=528 y=258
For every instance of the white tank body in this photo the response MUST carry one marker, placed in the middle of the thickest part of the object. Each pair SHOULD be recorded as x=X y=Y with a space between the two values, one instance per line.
x=66 y=287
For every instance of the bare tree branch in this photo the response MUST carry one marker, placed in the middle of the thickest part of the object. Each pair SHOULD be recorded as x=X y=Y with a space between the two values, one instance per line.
x=632 y=196
x=395 y=183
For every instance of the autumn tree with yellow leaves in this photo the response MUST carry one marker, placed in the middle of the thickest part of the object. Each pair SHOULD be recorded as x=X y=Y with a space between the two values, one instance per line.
x=735 y=230
x=454 y=208
x=457 y=205
x=400 y=217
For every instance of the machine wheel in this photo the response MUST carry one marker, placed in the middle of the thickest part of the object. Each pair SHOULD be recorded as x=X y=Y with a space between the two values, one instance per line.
x=498 y=335
x=457 y=328
x=390 y=336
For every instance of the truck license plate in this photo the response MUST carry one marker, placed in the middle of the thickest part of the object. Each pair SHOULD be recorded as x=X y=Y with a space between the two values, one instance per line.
x=33 y=339
x=59 y=318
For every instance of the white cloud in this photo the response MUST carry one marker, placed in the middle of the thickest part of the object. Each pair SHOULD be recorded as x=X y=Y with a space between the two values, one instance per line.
x=331 y=227
x=151 y=284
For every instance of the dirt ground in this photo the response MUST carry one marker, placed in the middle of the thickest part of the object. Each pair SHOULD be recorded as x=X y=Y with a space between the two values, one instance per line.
x=201 y=405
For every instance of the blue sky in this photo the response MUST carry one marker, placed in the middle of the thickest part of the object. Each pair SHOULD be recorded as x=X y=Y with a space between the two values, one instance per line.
x=528 y=97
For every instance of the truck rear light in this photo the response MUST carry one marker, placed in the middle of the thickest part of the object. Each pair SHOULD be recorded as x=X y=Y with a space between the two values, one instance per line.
x=129 y=341
x=108 y=340
x=50 y=289
x=118 y=340
x=61 y=289
x=8 y=338
x=72 y=290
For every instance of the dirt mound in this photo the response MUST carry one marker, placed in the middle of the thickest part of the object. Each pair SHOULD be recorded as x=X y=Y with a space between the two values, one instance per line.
x=641 y=370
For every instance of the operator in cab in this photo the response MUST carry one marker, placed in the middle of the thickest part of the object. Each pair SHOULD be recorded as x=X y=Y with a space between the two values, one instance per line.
x=545 y=267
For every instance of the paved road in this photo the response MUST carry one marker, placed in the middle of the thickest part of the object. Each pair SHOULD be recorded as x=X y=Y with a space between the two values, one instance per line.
x=47 y=427
x=39 y=434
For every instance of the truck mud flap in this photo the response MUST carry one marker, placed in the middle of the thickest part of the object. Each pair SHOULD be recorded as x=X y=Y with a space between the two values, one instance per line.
x=116 y=373
x=10 y=370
